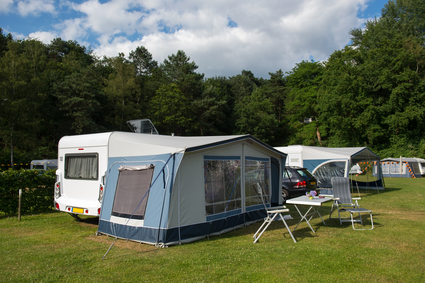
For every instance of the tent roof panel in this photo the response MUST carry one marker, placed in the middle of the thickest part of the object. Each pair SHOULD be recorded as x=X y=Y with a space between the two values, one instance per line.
x=128 y=144
x=407 y=159
x=316 y=152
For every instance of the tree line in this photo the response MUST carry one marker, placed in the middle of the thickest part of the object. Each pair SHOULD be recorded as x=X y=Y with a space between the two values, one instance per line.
x=371 y=93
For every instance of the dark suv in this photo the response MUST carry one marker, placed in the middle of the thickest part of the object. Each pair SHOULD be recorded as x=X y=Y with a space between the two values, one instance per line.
x=297 y=181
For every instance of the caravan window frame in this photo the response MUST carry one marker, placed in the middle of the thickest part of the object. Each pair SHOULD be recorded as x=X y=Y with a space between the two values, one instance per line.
x=81 y=155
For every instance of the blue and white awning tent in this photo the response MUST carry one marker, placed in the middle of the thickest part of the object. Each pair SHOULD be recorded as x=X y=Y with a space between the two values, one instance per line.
x=327 y=162
x=166 y=190
x=406 y=167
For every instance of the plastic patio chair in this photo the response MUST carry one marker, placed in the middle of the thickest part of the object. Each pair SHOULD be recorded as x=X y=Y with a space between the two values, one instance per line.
x=344 y=202
x=272 y=213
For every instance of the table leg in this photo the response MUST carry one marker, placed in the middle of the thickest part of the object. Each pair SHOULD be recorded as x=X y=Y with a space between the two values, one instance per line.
x=317 y=211
x=303 y=217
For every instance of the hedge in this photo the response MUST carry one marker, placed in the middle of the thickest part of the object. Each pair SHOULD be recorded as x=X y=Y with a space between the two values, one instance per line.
x=37 y=191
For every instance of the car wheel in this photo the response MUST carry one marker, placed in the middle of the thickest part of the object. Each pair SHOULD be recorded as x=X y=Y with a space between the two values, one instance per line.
x=285 y=195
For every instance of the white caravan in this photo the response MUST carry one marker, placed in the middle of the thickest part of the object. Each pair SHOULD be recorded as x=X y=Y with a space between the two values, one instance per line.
x=83 y=161
x=82 y=165
x=45 y=164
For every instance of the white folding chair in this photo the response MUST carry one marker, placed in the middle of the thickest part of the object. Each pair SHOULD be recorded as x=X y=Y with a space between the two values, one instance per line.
x=344 y=202
x=272 y=212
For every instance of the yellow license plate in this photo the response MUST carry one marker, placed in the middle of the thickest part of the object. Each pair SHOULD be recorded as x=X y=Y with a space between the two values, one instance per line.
x=77 y=210
x=313 y=183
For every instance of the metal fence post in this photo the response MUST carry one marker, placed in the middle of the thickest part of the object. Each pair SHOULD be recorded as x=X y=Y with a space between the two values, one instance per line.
x=19 y=205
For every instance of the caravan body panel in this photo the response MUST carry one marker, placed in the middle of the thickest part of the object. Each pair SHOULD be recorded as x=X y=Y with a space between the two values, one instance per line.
x=82 y=166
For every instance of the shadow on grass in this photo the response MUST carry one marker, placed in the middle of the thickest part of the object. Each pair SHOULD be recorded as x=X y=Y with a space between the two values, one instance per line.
x=85 y=219
x=372 y=192
x=302 y=232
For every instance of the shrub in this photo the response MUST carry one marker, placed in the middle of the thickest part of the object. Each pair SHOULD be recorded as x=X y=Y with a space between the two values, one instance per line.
x=37 y=191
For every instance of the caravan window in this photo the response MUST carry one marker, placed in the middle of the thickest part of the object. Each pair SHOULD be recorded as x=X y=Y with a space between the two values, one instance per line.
x=257 y=172
x=81 y=166
x=38 y=167
x=132 y=192
x=222 y=184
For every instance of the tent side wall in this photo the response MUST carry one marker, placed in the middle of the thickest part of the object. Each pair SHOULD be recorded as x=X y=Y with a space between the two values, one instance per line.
x=149 y=229
x=176 y=207
x=187 y=205
x=409 y=168
x=188 y=219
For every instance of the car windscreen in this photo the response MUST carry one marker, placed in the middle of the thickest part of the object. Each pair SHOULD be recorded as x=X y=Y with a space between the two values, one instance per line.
x=304 y=173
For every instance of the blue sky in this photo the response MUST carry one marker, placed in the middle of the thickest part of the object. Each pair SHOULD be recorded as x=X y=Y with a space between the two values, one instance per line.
x=223 y=37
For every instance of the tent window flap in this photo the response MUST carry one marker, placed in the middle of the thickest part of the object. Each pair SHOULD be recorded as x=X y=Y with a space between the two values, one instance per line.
x=132 y=193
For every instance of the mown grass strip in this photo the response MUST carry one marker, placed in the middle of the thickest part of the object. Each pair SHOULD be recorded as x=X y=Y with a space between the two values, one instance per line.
x=54 y=247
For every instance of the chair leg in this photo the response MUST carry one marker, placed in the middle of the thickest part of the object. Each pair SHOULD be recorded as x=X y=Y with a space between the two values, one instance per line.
x=339 y=215
x=263 y=227
x=360 y=216
x=352 y=221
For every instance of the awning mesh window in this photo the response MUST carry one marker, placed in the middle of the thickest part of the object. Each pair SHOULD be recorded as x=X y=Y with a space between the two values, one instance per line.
x=132 y=193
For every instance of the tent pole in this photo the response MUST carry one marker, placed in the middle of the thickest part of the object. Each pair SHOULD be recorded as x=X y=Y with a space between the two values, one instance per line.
x=165 y=193
x=243 y=184
x=110 y=247
x=178 y=206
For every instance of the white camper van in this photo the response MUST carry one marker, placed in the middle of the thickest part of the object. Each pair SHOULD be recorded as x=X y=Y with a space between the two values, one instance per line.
x=82 y=165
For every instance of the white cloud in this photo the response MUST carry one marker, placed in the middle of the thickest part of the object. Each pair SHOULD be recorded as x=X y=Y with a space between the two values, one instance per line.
x=266 y=36
x=72 y=29
x=110 y=18
x=5 y=6
x=44 y=36
x=35 y=7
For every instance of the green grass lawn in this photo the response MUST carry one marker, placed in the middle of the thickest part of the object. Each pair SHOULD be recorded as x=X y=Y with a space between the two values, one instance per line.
x=54 y=247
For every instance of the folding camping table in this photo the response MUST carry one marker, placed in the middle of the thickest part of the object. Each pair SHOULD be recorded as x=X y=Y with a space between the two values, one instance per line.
x=312 y=203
